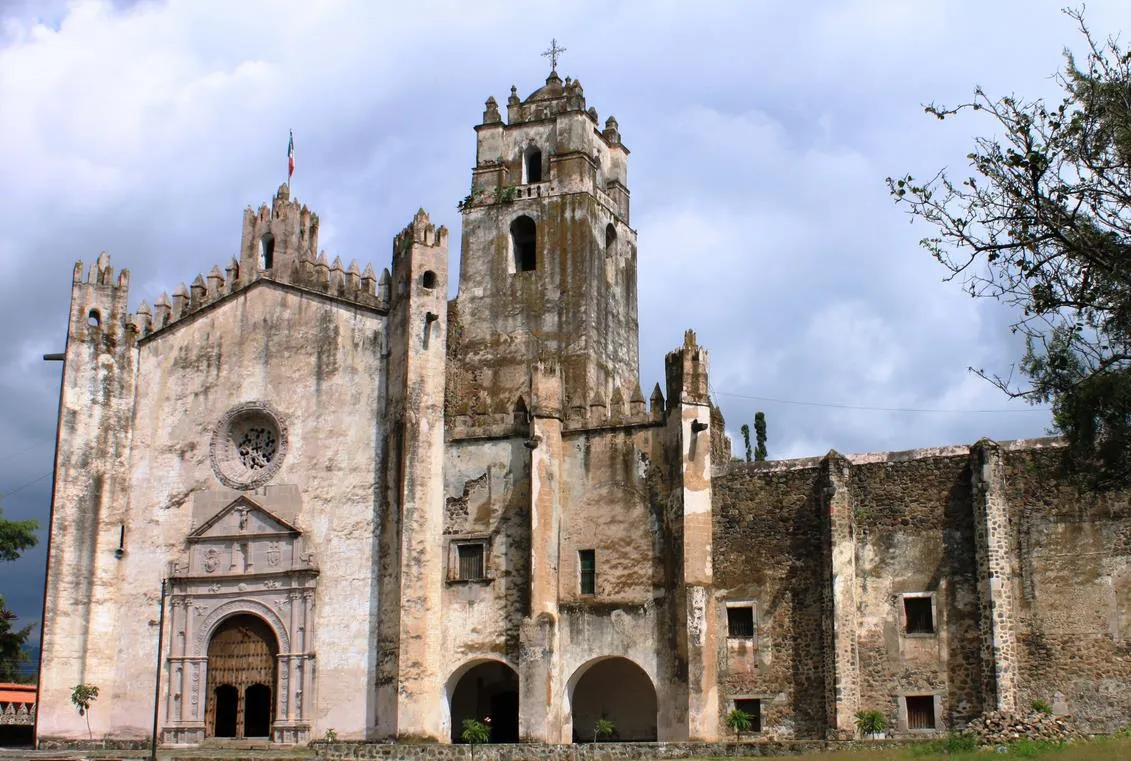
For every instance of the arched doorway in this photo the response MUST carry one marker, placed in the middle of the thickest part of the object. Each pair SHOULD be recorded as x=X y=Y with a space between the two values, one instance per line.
x=615 y=689
x=241 y=678
x=488 y=689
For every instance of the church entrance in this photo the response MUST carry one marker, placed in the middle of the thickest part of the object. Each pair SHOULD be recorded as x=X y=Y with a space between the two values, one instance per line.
x=488 y=690
x=241 y=678
x=617 y=690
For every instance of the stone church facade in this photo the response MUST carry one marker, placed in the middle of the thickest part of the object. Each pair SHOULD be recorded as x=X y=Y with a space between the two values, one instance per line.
x=378 y=511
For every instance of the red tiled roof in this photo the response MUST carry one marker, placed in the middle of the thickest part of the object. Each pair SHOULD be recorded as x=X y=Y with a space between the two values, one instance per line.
x=17 y=693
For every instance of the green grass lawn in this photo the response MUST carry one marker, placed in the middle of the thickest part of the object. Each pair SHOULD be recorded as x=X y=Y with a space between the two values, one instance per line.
x=1101 y=749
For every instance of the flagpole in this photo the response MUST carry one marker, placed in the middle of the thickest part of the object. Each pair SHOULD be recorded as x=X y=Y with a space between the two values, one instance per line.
x=290 y=159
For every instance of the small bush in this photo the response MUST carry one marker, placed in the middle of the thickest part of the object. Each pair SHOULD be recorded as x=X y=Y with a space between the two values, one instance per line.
x=959 y=742
x=871 y=722
x=1031 y=748
x=1040 y=706
x=603 y=729
x=739 y=721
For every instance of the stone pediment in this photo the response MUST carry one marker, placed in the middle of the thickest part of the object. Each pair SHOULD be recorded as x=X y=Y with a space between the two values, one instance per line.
x=243 y=517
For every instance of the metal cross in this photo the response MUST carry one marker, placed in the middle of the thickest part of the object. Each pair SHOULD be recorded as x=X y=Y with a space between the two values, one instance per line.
x=553 y=54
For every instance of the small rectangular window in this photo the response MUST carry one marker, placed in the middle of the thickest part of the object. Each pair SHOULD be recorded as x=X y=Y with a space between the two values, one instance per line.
x=470 y=561
x=587 y=562
x=752 y=708
x=920 y=711
x=740 y=621
x=918 y=615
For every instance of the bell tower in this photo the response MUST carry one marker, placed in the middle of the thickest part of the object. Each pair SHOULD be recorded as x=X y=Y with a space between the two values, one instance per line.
x=548 y=260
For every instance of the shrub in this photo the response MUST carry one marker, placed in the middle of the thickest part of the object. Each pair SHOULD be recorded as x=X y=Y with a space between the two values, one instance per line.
x=739 y=721
x=1040 y=706
x=603 y=729
x=82 y=696
x=871 y=722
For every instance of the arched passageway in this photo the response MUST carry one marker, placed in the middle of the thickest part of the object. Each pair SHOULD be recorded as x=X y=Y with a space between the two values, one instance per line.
x=489 y=689
x=618 y=690
x=241 y=678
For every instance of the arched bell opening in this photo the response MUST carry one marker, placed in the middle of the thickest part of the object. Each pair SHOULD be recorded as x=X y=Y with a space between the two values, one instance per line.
x=617 y=690
x=242 y=678
x=486 y=692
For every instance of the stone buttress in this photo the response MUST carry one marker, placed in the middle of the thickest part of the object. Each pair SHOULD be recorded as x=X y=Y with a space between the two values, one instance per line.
x=88 y=511
x=409 y=704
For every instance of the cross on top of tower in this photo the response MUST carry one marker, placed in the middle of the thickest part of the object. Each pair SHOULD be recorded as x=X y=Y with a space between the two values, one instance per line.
x=553 y=54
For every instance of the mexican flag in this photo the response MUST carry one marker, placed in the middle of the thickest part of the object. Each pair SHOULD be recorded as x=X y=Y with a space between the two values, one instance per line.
x=291 y=156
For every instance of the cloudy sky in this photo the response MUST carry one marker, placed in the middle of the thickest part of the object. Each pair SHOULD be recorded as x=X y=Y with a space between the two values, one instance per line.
x=761 y=133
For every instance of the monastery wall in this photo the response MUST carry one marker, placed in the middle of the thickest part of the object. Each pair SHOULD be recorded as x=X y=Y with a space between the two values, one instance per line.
x=915 y=537
x=302 y=354
x=767 y=552
x=1072 y=591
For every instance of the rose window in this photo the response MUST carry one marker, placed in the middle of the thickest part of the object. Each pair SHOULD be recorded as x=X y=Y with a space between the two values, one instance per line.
x=248 y=445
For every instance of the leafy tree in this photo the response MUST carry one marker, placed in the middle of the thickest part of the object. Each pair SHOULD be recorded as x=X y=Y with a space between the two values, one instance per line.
x=12 y=642
x=760 y=436
x=1043 y=225
x=82 y=696
x=15 y=537
x=739 y=721
x=746 y=439
x=603 y=729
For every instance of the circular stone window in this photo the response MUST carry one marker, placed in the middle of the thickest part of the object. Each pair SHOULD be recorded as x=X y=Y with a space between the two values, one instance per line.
x=248 y=445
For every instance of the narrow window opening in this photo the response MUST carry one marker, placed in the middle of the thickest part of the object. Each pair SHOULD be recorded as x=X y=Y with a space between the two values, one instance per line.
x=428 y=279
x=740 y=621
x=587 y=561
x=610 y=240
x=470 y=561
x=918 y=615
x=753 y=709
x=523 y=239
x=93 y=318
x=531 y=165
x=266 y=251
x=920 y=711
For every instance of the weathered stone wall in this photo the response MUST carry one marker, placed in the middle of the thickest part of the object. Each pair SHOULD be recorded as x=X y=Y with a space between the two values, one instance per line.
x=1061 y=588
x=488 y=499
x=768 y=550
x=1072 y=591
x=299 y=352
x=90 y=497
x=914 y=534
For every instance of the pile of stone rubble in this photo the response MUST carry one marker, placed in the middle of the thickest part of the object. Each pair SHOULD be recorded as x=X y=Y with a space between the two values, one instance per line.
x=1000 y=728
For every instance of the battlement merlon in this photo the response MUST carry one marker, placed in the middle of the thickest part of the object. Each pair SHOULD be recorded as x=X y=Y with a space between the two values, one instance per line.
x=277 y=239
x=686 y=370
x=420 y=231
x=99 y=301
x=279 y=244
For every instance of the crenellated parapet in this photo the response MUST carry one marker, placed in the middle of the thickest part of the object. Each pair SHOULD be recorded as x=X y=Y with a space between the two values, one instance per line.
x=420 y=231
x=98 y=305
x=584 y=413
x=279 y=244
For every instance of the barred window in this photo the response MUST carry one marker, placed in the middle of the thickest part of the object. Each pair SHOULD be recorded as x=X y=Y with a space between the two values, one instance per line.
x=918 y=615
x=470 y=561
x=587 y=561
x=920 y=711
x=740 y=621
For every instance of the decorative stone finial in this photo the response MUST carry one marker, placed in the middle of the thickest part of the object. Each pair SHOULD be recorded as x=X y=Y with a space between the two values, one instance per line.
x=491 y=112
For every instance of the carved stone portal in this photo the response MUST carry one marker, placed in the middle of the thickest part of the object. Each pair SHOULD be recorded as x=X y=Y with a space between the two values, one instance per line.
x=246 y=584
